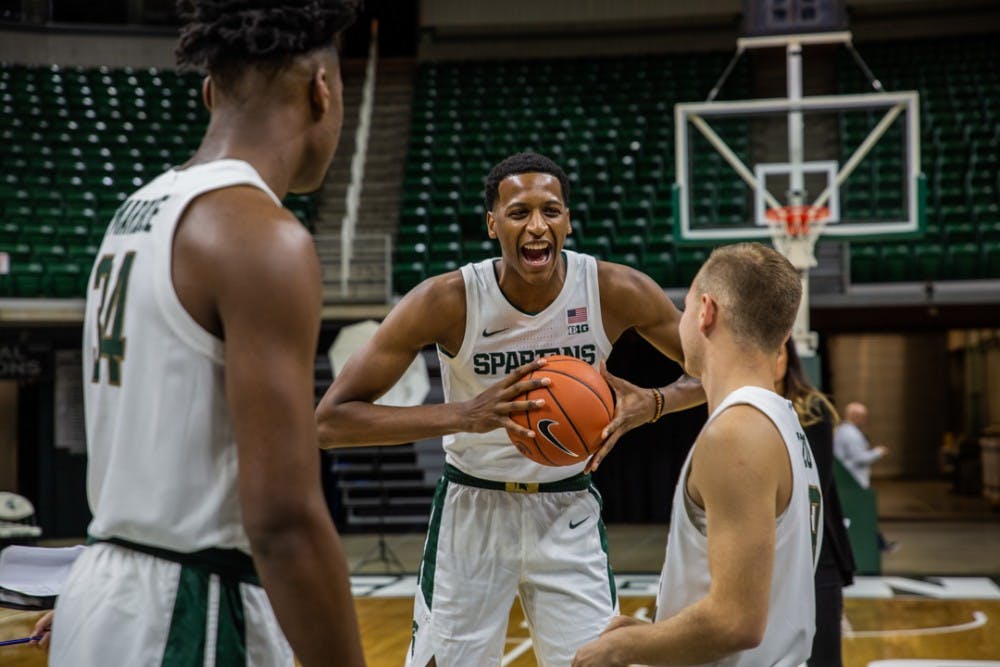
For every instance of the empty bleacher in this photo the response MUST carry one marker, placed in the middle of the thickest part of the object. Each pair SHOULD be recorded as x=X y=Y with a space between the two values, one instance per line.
x=76 y=141
x=609 y=123
x=959 y=85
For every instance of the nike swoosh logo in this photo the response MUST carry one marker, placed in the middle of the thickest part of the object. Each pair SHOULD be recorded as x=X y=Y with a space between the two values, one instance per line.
x=545 y=426
x=487 y=334
x=573 y=525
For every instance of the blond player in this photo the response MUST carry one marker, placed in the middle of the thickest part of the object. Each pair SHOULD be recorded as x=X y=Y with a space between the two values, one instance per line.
x=737 y=583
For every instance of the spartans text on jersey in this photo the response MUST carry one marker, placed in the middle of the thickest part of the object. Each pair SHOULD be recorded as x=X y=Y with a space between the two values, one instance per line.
x=502 y=363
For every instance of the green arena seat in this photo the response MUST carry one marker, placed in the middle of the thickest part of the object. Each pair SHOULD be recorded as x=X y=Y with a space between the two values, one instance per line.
x=412 y=252
x=963 y=261
x=864 y=263
x=929 y=261
x=407 y=275
x=28 y=279
x=660 y=267
x=10 y=234
x=894 y=263
x=596 y=244
x=474 y=251
x=438 y=266
x=416 y=233
x=65 y=280
x=688 y=262
x=991 y=259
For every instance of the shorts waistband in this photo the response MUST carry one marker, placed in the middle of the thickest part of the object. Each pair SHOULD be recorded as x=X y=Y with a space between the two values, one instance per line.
x=227 y=563
x=578 y=482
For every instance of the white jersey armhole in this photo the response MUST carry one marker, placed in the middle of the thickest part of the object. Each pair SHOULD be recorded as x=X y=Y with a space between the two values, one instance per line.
x=168 y=301
x=591 y=267
x=781 y=436
x=464 y=353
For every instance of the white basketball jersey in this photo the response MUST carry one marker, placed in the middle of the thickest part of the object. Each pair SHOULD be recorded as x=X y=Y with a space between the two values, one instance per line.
x=499 y=338
x=162 y=454
x=791 y=611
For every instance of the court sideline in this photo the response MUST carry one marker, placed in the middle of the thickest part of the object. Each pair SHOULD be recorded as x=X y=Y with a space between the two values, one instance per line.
x=914 y=611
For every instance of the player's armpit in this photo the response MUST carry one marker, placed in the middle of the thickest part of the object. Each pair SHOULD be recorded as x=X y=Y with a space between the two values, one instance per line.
x=433 y=313
x=631 y=299
x=683 y=393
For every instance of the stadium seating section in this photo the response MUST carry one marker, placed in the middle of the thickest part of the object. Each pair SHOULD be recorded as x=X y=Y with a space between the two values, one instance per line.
x=609 y=122
x=75 y=142
x=959 y=85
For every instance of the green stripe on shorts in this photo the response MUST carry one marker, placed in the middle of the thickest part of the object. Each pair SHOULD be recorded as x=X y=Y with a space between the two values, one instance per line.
x=186 y=639
x=231 y=643
x=603 y=531
x=429 y=561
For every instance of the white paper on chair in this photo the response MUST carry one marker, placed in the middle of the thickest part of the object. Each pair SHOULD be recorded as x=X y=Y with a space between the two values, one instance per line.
x=36 y=571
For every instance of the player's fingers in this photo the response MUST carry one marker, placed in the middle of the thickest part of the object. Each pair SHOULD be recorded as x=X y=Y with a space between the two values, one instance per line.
x=520 y=406
x=602 y=453
x=513 y=427
x=523 y=386
x=617 y=423
x=612 y=380
x=523 y=370
x=619 y=622
x=43 y=628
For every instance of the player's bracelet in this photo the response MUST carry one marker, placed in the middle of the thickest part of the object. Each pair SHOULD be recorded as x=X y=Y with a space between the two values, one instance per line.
x=658 y=397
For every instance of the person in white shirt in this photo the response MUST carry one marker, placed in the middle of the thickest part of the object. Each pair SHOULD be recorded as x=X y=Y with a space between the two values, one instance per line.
x=851 y=446
x=855 y=453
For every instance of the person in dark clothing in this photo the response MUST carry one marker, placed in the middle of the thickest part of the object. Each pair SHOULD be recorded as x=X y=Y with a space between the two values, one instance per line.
x=836 y=561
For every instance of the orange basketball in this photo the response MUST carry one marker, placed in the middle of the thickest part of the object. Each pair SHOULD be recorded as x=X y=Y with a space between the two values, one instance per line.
x=578 y=405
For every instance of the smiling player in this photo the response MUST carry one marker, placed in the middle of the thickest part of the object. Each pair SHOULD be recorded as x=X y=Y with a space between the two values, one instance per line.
x=492 y=323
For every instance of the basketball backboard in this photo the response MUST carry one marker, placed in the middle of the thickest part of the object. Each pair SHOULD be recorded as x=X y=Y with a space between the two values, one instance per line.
x=795 y=168
x=855 y=157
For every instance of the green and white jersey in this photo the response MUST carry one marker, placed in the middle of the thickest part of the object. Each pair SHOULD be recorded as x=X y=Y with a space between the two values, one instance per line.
x=162 y=453
x=498 y=339
x=791 y=611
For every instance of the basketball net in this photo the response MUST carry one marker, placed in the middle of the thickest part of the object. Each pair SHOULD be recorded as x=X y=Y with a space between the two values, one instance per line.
x=795 y=230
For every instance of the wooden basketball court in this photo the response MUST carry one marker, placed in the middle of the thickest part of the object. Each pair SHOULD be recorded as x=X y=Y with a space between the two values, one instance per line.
x=880 y=629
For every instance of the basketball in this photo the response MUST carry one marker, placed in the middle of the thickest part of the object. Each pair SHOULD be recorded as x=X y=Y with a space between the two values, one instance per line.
x=578 y=405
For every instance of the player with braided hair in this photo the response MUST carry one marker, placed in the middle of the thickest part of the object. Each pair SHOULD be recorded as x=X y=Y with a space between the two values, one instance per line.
x=212 y=542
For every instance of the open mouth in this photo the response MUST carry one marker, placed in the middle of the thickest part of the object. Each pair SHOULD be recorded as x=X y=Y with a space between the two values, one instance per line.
x=536 y=253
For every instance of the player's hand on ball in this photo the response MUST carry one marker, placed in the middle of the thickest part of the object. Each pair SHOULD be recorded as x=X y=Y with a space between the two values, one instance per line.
x=634 y=406
x=491 y=409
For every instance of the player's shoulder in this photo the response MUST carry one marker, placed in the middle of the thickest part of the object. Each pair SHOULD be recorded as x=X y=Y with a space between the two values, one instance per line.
x=247 y=210
x=627 y=293
x=440 y=297
x=250 y=220
x=739 y=430
x=240 y=234
x=614 y=277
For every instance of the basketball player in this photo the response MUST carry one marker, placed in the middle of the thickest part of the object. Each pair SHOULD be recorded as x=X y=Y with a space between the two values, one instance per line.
x=501 y=524
x=737 y=583
x=200 y=333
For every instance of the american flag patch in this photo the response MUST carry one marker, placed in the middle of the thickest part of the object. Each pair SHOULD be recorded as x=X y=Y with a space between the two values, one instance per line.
x=576 y=315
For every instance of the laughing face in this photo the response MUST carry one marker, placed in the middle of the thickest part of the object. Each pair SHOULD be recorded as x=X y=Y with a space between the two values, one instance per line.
x=531 y=221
